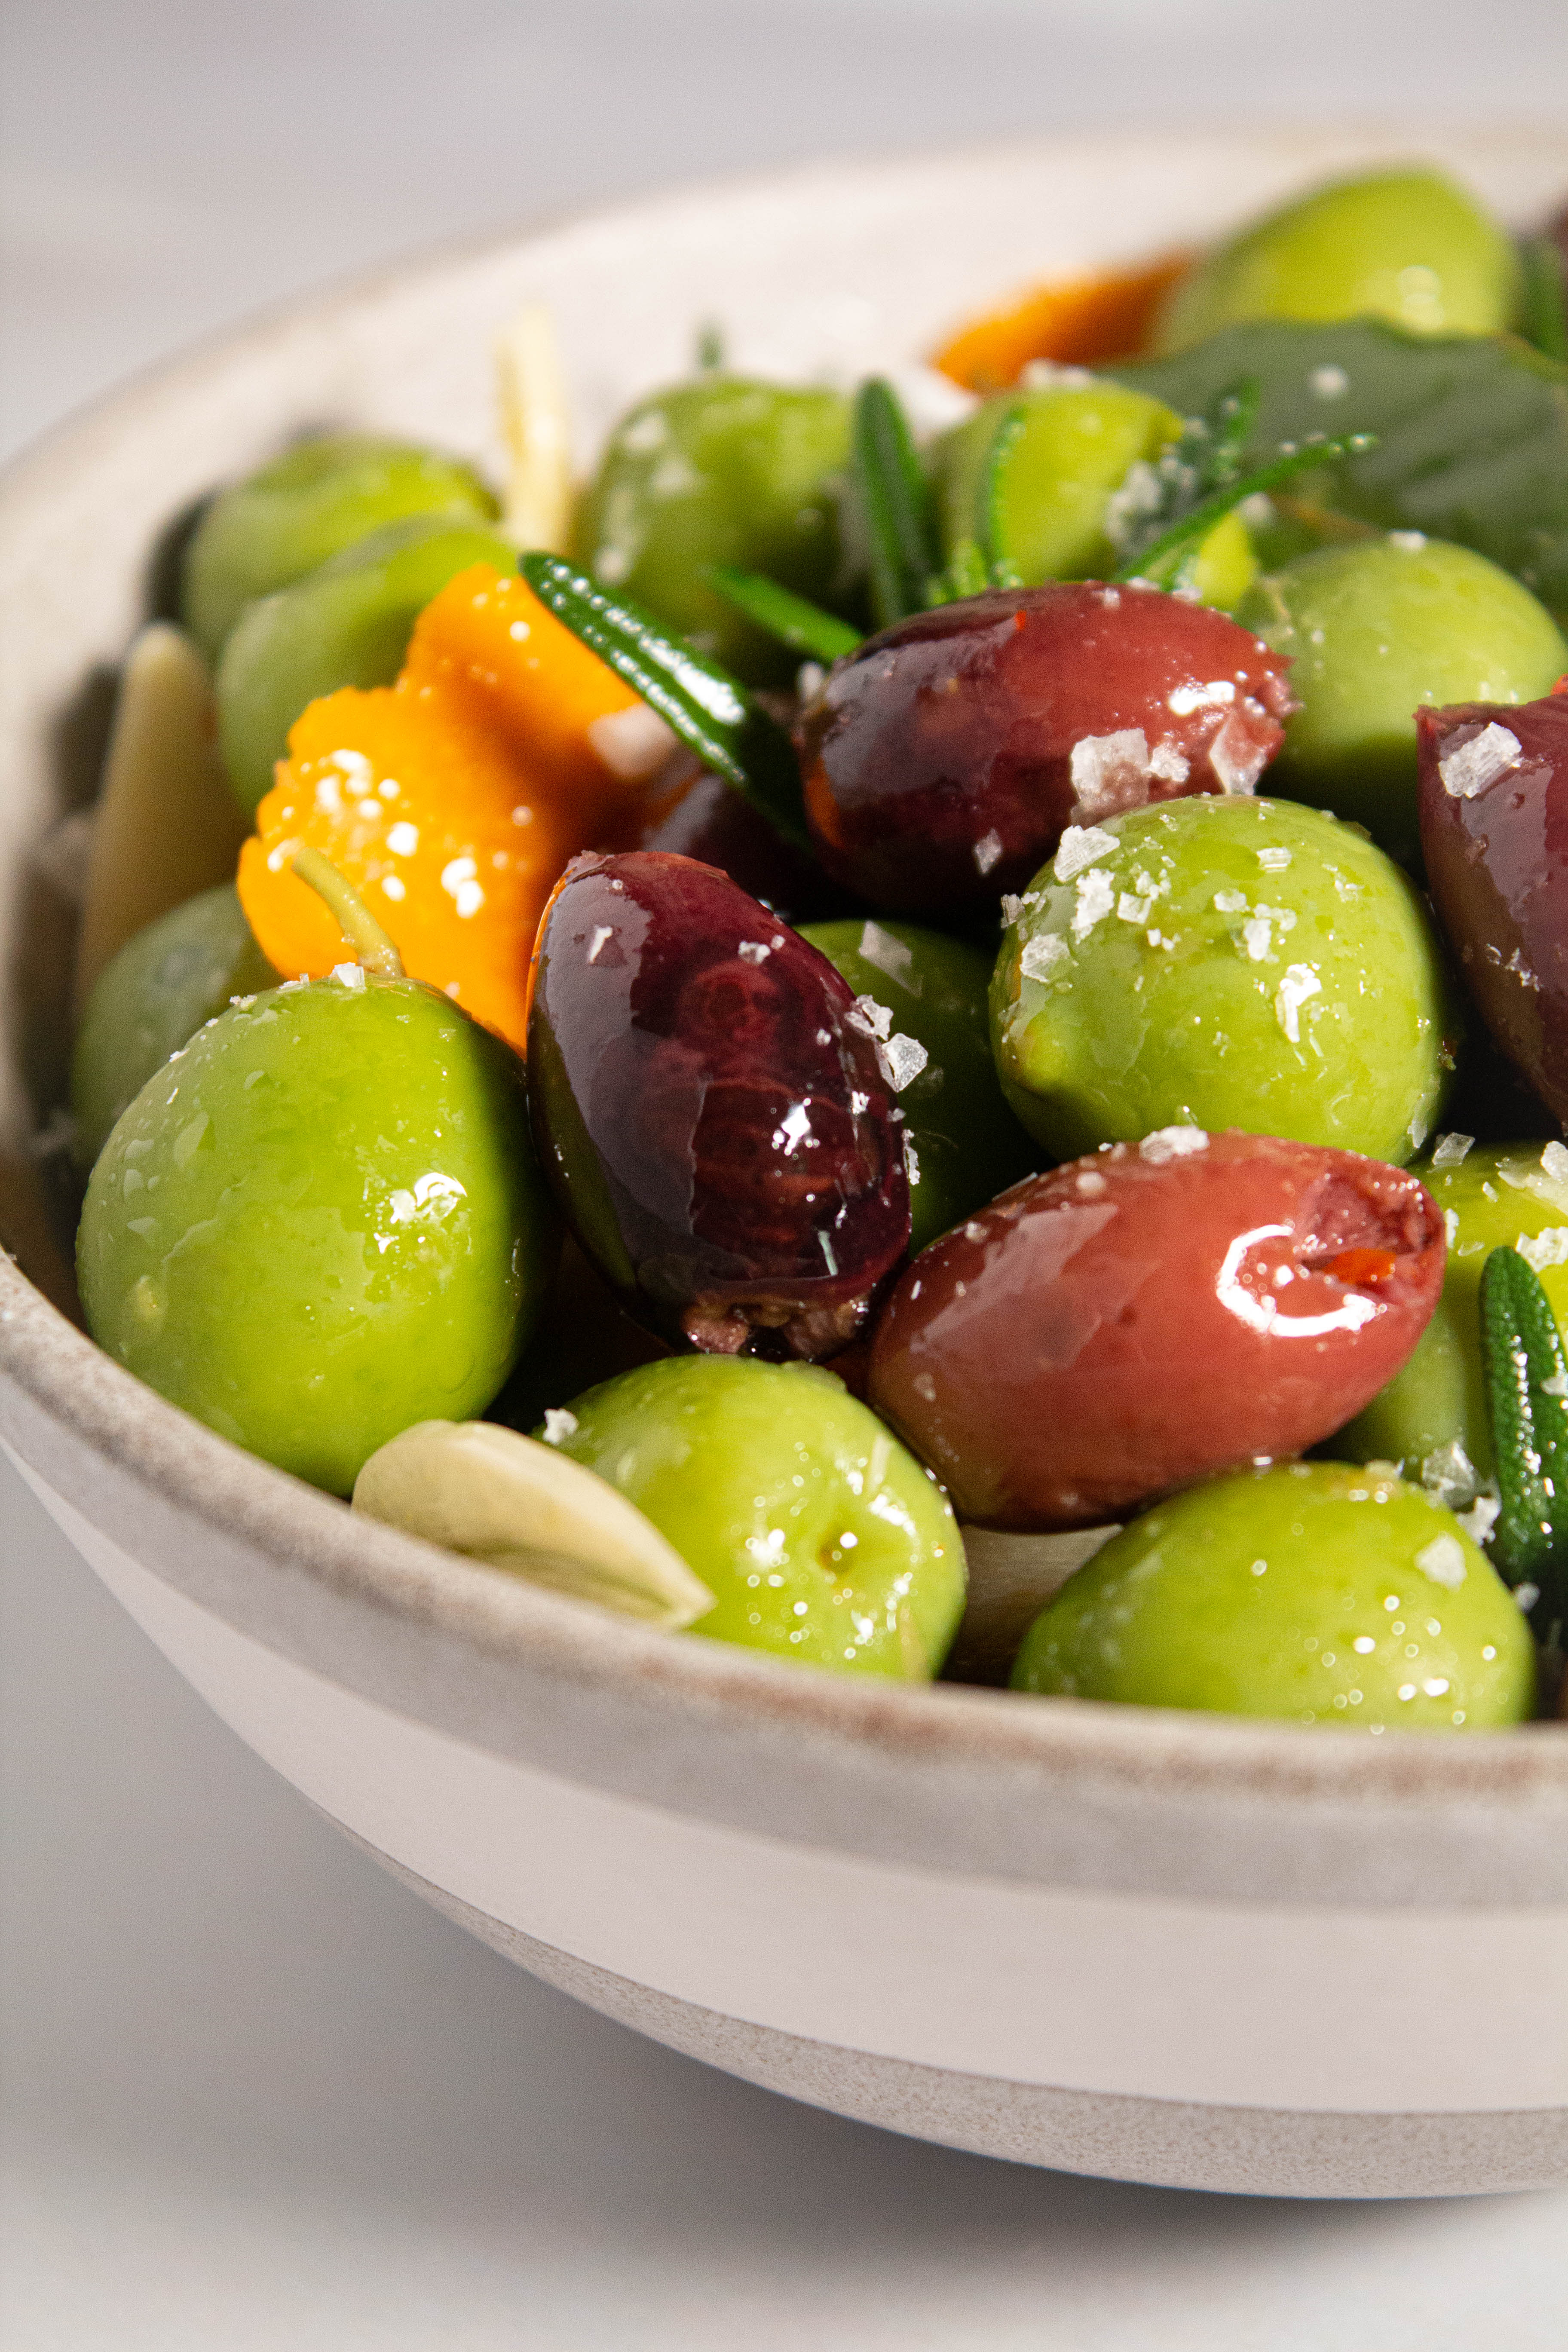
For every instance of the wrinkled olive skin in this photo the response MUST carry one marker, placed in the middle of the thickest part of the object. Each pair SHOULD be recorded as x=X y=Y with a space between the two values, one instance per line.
x=346 y=623
x=1305 y=1591
x=943 y=757
x=151 y=999
x=1496 y=1199
x=1225 y=964
x=321 y=1222
x=306 y=505
x=1145 y=1318
x=1070 y=449
x=1408 y=246
x=1372 y=631
x=722 y=471
x=965 y=1143
x=711 y=1114
x=1497 y=866
x=823 y=1542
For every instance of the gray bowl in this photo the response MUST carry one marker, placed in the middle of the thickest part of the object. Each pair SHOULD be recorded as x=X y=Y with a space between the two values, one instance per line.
x=1164 y=1947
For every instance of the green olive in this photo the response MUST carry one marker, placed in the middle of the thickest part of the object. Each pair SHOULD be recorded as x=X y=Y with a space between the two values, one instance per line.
x=724 y=470
x=964 y=1144
x=1311 y=1592
x=823 y=1539
x=346 y=623
x=1408 y=246
x=309 y=504
x=1032 y=476
x=1513 y=1196
x=321 y=1222
x=1374 y=629
x=151 y=998
x=1223 y=962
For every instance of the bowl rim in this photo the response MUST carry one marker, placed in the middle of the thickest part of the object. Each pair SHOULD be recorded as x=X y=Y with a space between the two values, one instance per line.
x=295 y=1527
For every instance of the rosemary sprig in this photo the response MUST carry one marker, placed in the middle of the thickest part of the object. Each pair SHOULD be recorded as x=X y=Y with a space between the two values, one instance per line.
x=1527 y=1400
x=805 y=627
x=1199 y=481
x=1543 y=297
x=712 y=712
x=895 y=500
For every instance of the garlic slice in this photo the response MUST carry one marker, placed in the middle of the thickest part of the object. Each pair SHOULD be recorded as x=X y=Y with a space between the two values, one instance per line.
x=167 y=824
x=536 y=506
x=518 y=1505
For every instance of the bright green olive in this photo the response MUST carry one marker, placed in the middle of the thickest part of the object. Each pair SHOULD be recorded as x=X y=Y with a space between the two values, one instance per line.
x=1311 y=1592
x=1372 y=630
x=1223 y=962
x=822 y=1538
x=1032 y=476
x=1513 y=1196
x=1408 y=246
x=722 y=471
x=321 y=1222
x=346 y=623
x=964 y=1144
x=154 y=995
x=309 y=504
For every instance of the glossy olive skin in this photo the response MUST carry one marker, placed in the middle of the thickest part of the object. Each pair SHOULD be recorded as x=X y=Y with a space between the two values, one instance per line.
x=943 y=760
x=710 y=1109
x=346 y=623
x=692 y=813
x=1494 y=836
x=1496 y=1198
x=821 y=1542
x=154 y=995
x=1407 y=244
x=1225 y=964
x=1150 y=1316
x=311 y=503
x=1373 y=630
x=321 y=1222
x=728 y=470
x=1311 y=1592
x=964 y=1144
x=1047 y=509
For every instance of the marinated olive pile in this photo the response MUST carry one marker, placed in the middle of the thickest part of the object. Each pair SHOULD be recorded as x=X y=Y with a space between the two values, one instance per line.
x=835 y=988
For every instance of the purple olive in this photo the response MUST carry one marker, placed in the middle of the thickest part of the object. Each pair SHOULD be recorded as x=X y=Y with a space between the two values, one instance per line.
x=1493 y=803
x=695 y=814
x=715 y=1113
x=944 y=759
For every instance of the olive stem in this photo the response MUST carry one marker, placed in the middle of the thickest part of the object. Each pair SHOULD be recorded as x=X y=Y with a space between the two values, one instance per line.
x=370 y=943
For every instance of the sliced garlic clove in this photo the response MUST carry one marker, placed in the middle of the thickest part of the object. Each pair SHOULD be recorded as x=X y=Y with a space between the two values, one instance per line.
x=1011 y=1577
x=536 y=506
x=167 y=824
x=518 y=1505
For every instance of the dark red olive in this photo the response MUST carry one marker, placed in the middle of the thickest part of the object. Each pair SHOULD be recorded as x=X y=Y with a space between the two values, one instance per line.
x=711 y=1108
x=695 y=814
x=1493 y=804
x=1150 y=1316
x=944 y=759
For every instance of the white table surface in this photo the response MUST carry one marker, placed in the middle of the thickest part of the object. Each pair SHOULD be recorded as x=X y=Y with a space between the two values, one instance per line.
x=256 y=2097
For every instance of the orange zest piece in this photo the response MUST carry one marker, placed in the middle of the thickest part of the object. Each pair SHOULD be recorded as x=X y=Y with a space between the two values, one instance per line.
x=450 y=801
x=1076 y=322
x=1365 y=1269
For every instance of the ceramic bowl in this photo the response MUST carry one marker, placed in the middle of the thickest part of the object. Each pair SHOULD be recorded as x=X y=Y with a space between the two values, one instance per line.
x=1159 y=1947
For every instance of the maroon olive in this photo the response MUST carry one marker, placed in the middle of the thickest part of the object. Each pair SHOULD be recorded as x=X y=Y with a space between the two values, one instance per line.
x=1151 y=1315
x=1493 y=804
x=715 y=1114
x=944 y=759
x=695 y=814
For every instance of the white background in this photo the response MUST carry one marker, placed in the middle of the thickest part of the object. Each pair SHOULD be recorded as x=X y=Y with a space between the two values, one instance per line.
x=255 y=2098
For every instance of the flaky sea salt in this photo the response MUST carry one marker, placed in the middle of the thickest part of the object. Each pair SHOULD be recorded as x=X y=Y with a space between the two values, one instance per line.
x=1469 y=768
